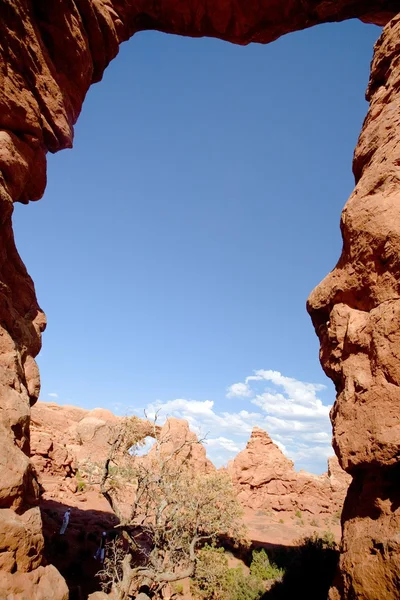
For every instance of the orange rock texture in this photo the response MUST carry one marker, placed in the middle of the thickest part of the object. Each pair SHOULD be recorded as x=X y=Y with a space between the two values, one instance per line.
x=65 y=439
x=50 y=53
x=175 y=437
x=265 y=479
x=356 y=313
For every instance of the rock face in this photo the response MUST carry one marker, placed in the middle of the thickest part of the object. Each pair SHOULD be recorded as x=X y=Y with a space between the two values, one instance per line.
x=48 y=456
x=266 y=479
x=65 y=439
x=175 y=436
x=80 y=433
x=356 y=313
x=50 y=54
x=22 y=572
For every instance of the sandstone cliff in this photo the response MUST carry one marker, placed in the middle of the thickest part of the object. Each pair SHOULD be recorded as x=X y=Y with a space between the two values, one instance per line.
x=356 y=314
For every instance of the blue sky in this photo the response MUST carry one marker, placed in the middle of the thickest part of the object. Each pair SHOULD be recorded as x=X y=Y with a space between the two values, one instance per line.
x=176 y=245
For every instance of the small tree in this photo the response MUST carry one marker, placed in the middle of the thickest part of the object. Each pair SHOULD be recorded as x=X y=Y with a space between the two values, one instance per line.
x=262 y=568
x=171 y=511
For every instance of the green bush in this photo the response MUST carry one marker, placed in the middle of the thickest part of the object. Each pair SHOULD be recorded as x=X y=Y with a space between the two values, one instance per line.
x=243 y=587
x=262 y=568
x=328 y=540
x=214 y=580
x=81 y=484
x=210 y=576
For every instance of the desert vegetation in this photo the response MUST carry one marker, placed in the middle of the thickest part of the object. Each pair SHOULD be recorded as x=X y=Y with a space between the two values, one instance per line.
x=215 y=580
x=175 y=523
x=166 y=512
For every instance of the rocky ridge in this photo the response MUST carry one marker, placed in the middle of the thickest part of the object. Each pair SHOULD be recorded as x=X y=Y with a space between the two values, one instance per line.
x=265 y=479
x=67 y=440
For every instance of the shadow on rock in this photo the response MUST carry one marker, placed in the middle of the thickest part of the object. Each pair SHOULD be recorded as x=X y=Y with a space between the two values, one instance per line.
x=73 y=553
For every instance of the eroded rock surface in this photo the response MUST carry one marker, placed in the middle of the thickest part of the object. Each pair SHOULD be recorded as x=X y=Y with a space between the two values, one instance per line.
x=68 y=439
x=356 y=313
x=176 y=438
x=83 y=434
x=21 y=324
x=50 y=53
x=265 y=479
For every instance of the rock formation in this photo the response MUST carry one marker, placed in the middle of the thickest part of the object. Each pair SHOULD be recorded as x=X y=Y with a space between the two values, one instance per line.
x=84 y=434
x=65 y=439
x=356 y=313
x=68 y=439
x=175 y=436
x=266 y=479
x=50 y=53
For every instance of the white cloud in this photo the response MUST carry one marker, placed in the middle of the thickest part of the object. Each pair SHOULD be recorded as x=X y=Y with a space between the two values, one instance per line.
x=322 y=437
x=202 y=416
x=238 y=390
x=293 y=386
x=281 y=446
x=291 y=426
x=308 y=453
x=53 y=395
x=284 y=406
x=225 y=443
x=179 y=406
x=290 y=410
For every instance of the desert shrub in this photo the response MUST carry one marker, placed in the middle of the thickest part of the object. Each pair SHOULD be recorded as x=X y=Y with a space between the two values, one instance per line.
x=81 y=484
x=210 y=575
x=298 y=514
x=214 y=580
x=328 y=540
x=262 y=568
x=314 y=523
x=243 y=587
